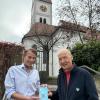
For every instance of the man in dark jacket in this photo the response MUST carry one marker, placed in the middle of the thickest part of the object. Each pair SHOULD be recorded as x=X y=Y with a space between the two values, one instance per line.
x=74 y=83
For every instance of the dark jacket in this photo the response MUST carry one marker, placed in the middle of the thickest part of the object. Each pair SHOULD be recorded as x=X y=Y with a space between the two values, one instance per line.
x=81 y=86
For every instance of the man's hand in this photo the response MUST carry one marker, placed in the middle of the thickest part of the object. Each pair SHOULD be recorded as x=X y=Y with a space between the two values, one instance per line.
x=50 y=93
x=18 y=96
x=33 y=98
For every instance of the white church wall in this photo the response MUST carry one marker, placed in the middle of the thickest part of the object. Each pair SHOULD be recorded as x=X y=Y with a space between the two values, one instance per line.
x=75 y=39
x=54 y=69
x=53 y=65
x=28 y=43
x=50 y=63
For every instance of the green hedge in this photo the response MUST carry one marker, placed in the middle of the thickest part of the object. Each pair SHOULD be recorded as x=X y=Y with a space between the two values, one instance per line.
x=87 y=54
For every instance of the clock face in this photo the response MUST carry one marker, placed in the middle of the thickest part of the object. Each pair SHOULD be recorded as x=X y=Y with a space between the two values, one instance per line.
x=43 y=8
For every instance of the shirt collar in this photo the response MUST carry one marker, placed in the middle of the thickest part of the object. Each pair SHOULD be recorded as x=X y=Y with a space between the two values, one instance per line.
x=23 y=66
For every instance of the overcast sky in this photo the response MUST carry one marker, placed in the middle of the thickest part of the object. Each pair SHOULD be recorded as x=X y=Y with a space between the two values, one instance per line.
x=15 y=19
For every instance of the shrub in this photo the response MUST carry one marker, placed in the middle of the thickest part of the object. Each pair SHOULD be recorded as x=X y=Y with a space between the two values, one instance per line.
x=87 y=54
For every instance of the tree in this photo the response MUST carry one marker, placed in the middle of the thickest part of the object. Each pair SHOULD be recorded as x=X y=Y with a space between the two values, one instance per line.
x=69 y=12
x=10 y=54
x=90 y=10
x=87 y=54
x=84 y=12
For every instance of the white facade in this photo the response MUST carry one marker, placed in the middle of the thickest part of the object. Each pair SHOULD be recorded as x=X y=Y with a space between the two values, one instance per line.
x=42 y=10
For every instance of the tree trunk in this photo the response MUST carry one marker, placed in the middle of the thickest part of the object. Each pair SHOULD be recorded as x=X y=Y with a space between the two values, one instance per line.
x=47 y=62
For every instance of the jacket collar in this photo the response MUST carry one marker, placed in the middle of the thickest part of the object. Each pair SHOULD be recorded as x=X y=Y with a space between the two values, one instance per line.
x=74 y=69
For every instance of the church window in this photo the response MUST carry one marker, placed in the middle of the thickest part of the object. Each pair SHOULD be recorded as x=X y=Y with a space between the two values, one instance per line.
x=40 y=20
x=44 y=21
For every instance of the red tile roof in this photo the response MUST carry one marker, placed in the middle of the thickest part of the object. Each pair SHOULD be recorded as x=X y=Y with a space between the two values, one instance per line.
x=39 y=29
x=72 y=26
x=95 y=35
x=68 y=26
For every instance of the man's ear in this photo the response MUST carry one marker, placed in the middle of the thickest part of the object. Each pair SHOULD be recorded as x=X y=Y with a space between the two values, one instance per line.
x=72 y=57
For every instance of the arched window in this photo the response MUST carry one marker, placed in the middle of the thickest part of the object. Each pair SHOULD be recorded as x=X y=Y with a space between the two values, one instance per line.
x=40 y=20
x=44 y=21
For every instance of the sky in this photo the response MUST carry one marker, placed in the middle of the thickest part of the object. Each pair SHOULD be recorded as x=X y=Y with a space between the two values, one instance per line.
x=15 y=19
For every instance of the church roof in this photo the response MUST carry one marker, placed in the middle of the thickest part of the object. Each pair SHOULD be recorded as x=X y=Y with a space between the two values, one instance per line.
x=76 y=27
x=48 y=1
x=72 y=26
x=40 y=29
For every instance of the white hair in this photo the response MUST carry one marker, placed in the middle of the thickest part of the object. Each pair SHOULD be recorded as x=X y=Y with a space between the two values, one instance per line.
x=64 y=50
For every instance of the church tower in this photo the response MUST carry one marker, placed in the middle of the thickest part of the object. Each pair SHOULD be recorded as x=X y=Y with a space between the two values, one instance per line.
x=41 y=12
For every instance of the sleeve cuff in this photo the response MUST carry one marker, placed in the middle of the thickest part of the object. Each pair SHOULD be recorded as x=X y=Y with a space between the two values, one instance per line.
x=9 y=95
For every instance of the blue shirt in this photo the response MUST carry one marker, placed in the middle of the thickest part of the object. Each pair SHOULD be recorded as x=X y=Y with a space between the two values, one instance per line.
x=21 y=80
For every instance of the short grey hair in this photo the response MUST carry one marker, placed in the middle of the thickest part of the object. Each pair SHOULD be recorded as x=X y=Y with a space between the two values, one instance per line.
x=64 y=50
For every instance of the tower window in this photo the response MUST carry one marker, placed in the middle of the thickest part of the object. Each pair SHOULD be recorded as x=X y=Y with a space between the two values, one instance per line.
x=40 y=20
x=44 y=21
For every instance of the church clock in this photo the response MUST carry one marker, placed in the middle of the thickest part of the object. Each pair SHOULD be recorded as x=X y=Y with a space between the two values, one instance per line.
x=43 y=8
